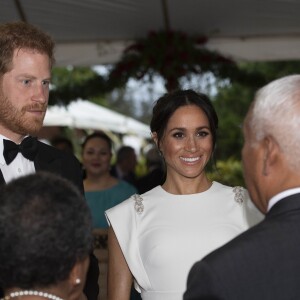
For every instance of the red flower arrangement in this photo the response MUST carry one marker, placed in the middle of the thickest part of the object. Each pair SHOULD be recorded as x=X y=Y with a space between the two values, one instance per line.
x=171 y=54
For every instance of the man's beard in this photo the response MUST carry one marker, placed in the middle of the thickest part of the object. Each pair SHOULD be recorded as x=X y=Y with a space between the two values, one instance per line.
x=18 y=121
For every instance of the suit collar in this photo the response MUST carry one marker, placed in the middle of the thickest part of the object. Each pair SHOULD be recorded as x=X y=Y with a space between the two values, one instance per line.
x=287 y=204
x=278 y=197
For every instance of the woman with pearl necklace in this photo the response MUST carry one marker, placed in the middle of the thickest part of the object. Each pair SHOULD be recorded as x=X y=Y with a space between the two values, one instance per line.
x=45 y=238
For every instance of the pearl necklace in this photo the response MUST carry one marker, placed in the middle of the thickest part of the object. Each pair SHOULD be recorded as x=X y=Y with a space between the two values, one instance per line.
x=31 y=293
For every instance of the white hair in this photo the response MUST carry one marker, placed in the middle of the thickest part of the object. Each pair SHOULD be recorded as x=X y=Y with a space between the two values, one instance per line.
x=276 y=112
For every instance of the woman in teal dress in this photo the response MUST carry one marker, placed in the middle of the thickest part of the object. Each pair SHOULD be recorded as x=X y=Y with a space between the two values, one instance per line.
x=102 y=191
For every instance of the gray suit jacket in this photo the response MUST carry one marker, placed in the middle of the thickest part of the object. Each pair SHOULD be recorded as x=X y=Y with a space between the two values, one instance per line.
x=261 y=264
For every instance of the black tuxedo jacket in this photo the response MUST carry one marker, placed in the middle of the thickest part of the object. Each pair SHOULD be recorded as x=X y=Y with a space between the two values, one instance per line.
x=58 y=162
x=261 y=264
x=52 y=160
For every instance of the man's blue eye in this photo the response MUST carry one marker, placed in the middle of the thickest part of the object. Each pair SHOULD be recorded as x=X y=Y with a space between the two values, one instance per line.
x=26 y=81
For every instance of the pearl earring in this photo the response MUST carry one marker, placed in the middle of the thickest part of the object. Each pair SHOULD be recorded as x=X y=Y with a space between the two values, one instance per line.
x=77 y=281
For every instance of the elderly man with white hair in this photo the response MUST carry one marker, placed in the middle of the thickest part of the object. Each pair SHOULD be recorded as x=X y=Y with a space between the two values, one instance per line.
x=263 y=262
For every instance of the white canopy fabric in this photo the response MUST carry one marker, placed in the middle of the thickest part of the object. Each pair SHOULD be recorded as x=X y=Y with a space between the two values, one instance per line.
x=87 y=115
x=92 y=32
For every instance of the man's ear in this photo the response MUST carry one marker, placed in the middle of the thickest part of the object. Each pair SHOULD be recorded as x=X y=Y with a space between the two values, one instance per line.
x=271 y=152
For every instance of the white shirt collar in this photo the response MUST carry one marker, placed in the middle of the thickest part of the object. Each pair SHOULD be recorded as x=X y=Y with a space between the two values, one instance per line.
x=282 y=195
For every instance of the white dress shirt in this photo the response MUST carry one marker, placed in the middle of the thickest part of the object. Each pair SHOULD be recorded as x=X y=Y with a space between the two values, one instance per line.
x=281 y=196
x=20 y=166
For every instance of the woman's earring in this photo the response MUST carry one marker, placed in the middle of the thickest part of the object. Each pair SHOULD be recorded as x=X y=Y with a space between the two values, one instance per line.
x=77 y=281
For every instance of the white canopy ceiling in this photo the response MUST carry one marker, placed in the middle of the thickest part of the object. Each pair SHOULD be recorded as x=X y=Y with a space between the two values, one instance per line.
x=87 y=115
x=90 y=32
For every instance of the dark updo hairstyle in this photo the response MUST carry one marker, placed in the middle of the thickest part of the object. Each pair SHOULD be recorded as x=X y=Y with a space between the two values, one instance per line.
x=166 y=105
x=99 y=135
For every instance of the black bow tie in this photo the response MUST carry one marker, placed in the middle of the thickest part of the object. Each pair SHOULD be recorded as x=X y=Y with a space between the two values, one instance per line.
x=28 y=148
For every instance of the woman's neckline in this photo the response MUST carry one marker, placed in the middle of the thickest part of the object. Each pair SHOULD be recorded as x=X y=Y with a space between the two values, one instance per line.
x=190 y=194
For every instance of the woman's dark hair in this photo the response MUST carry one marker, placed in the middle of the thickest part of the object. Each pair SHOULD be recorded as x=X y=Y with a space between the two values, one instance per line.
x=166 y=105
x=45 y=228
x=100 y=135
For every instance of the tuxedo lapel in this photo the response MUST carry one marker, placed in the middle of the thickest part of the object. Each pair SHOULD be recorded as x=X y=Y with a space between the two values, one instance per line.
x=47 y=165
x=46 y=161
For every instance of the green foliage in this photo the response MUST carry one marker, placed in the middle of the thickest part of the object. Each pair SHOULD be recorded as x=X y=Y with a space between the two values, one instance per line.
x=122 y=102
x=81 y=82
x=231 y=104
x=273 y=69
x=233 y=99
x=228 y=172
x=72 y=83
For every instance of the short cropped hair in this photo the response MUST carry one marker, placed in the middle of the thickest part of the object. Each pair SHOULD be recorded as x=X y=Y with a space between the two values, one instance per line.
x=20 y=35
x=276 y=112
x=45 y=228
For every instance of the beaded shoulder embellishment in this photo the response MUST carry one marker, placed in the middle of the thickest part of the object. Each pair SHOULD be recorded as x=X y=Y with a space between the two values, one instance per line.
x=239 y=194
x=138 y=205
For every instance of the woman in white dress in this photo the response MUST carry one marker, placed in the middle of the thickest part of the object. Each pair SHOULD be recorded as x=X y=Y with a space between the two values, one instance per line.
x=156 y=237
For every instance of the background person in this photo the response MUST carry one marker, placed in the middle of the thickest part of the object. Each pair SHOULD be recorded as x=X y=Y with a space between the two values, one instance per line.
x=124 y=167
x=102 y=190
x=44 y=222
x=155 y=171
x=156 y=237
x=263 y=262
x=26 y=59
x=63 y=143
